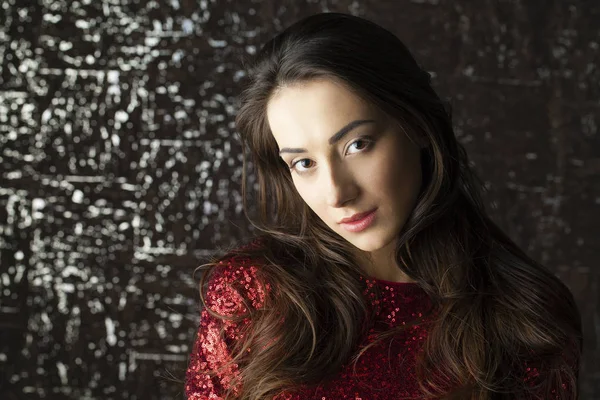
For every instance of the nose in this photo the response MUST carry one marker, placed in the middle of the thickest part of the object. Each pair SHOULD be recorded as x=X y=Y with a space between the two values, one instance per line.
x=339 y=186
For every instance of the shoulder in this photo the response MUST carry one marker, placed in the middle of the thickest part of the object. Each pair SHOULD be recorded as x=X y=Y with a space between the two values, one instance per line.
x=236 y=281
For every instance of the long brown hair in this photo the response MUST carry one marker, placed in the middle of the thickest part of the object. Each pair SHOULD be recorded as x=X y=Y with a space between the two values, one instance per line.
x=495 y=307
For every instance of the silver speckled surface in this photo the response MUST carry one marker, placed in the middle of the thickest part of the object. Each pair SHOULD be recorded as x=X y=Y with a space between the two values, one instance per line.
x=120 y=172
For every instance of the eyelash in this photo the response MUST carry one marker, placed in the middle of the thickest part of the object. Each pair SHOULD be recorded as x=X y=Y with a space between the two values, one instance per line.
x=367 y=140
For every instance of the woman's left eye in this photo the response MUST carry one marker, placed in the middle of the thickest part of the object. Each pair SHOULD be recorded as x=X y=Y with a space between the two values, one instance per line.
x=367 y=141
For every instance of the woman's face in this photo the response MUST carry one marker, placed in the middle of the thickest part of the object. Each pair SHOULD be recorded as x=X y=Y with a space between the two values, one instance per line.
x=372 y=165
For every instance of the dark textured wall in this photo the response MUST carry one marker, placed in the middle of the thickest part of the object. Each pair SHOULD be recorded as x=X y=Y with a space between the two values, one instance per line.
x=119 y=172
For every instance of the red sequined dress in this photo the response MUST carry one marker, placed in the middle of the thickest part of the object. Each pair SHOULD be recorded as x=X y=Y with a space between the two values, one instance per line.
x=383 y=372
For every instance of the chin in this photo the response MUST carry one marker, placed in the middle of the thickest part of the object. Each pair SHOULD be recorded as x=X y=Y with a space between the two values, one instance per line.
x=368 y=242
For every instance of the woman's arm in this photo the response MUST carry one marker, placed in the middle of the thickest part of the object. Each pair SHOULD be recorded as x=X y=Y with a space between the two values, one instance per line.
x=210 y=352
x=210 y=374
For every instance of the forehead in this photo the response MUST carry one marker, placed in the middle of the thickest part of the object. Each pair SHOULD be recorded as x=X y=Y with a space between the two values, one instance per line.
x=322 y=90
x=316 y=107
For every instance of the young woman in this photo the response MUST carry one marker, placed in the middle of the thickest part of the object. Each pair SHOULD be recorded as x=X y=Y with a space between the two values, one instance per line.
x=422 y=295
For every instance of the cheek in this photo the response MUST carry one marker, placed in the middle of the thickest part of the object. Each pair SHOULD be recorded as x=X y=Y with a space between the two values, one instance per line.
x=382 y=176
x=406 y=184
x=395 y=176
x=307 y=194
x=313 y=198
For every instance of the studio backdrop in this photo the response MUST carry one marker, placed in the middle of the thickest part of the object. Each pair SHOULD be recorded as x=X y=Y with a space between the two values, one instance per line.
x=121 y=171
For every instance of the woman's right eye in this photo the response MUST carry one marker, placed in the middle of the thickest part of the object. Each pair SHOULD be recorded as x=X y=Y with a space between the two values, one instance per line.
x=293 y=167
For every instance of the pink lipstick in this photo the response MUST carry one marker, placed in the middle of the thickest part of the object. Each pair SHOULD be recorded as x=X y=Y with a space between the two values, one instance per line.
x=363 y=223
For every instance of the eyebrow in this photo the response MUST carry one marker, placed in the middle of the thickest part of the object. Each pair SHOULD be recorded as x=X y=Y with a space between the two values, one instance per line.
x=334 y=139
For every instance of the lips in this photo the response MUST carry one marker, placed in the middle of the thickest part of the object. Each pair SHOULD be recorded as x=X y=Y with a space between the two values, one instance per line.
x=356 y=217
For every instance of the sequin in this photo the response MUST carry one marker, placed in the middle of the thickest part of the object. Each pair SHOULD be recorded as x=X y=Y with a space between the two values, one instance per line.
x=384 y=372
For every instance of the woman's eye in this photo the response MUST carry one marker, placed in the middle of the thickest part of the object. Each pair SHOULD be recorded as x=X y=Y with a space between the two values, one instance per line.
x=359 y=140
x=296 y=162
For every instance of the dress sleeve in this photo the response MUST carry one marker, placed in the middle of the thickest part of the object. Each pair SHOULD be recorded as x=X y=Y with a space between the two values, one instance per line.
x=211 y=350
x=572 y=357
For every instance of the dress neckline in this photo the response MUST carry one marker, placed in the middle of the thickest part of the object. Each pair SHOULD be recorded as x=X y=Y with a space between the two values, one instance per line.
x=391 y=282
x=372 y=279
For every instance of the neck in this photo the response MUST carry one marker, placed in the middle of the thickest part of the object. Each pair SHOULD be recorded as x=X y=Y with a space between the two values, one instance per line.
x=381 y=264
